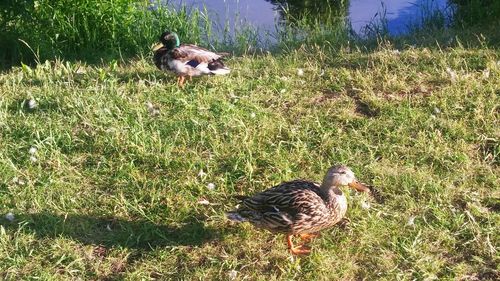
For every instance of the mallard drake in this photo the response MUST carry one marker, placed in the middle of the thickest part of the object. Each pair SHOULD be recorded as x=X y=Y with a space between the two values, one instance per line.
x=299 y=207
x=186 y=60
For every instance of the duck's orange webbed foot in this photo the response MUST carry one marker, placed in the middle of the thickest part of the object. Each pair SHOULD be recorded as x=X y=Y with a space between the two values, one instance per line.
x=300 y=250
x=297 y=250
x=181 y=81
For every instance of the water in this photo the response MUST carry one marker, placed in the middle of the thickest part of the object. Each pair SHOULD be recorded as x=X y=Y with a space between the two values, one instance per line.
x=395 y=16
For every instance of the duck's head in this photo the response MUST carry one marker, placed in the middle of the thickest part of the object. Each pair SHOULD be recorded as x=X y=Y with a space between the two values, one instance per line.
x=340 y=175
x=168 y=40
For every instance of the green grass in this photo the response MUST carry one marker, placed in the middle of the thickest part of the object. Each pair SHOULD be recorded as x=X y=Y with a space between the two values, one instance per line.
x=114 y=192
x=95 y=31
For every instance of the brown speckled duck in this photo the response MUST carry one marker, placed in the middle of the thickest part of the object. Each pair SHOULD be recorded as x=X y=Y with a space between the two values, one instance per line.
x=186 y=60
x=299 y=207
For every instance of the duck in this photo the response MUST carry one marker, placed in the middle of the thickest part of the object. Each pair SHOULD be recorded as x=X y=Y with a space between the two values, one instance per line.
x=186 y=60
x=299 y=207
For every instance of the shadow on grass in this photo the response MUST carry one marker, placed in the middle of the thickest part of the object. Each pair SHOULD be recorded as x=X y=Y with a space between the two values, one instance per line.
x=112 y=232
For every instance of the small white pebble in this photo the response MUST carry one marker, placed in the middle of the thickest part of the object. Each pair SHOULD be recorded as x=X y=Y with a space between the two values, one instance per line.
x=203 y=202
x=300 y=72
x=9 y=216
x=33 y=159
x=453 y=75
x=15 y=180
x=486 y=73
x=282 y=91
x=365 y=205
x=232 y=274
x=211 y=186
x=437 y=110
x=252 y=115
x=411 y=221
x=152 y=109
x=396 y=52
x=32 y=104
x=33 y=150
x=433 y=116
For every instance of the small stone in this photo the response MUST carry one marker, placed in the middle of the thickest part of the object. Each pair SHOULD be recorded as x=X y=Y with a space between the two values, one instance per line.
x=282 y=91
x=453 y=75
x=153 y=110
x=486 y=73
x=252 y=115
x=32 y=104
x=365 y=205
x=203 y=202
x=411 y=221
x=9 y=216
x=232 y=274
x=33 y=150
x=300 y=72
x=437 y=110
x=33 y=159
x=211 y=186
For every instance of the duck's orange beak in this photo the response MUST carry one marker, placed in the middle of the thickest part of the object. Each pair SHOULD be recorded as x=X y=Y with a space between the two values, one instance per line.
x=359 y=186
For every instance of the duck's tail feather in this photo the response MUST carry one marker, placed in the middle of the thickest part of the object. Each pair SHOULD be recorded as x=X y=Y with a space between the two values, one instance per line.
x=221 y=71
x=217 y=67
x=235 y=216
x=240 y=197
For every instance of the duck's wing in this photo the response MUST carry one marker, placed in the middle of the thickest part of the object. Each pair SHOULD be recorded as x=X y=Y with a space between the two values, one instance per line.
x=187 y=53
x=284 y=208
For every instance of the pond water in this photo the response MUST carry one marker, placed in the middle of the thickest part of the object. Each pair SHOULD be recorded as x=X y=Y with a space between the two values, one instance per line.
x=267 y=15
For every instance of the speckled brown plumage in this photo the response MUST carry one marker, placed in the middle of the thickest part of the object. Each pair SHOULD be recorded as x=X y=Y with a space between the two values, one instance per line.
x=299 y=207
x=294 y=207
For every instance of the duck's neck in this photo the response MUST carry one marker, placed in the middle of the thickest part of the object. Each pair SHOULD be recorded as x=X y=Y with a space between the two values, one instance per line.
x=330 y=192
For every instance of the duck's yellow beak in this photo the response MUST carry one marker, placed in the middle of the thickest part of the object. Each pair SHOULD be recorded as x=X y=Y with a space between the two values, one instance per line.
x=359 y=186
x=156 y=47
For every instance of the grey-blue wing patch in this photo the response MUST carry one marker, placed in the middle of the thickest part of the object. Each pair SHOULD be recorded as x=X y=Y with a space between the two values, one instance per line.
x=193 y=63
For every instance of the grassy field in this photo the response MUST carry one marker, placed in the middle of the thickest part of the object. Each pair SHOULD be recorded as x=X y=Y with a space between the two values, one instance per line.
x=108 y=175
